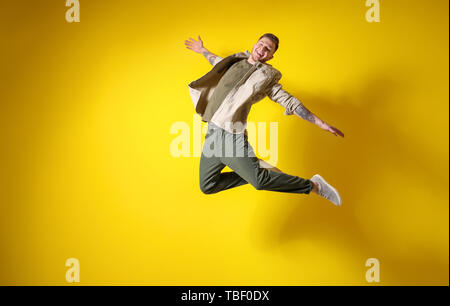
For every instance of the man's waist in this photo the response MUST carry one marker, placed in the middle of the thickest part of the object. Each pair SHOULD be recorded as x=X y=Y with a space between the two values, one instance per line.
x=229 y=127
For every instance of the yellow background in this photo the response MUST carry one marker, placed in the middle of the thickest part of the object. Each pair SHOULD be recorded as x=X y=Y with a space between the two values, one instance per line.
x=86 y=170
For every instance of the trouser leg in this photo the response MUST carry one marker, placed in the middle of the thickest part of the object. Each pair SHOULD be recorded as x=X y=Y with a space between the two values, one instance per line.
x=248 y=167
x=211 y=178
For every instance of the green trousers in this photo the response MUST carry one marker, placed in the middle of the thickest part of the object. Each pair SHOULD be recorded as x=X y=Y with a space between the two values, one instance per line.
x=222 y=148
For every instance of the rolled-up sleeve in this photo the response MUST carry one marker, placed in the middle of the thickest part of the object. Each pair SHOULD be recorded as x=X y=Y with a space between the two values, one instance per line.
x=276 y=93
x=216 y=60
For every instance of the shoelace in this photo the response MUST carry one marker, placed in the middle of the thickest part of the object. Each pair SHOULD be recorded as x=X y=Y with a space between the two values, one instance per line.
x=327 y=195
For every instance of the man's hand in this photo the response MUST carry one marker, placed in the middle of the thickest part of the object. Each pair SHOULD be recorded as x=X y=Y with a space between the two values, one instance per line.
x=332 y=130
x=196 y=46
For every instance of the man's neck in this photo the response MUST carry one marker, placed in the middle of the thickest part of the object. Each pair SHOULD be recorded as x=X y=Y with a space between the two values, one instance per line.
x=251 y=61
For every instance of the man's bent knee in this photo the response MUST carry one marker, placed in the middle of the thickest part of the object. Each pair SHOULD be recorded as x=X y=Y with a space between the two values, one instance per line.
x=207 y=189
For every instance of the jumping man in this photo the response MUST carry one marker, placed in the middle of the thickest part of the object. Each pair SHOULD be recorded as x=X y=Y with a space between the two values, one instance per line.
x=223 y=97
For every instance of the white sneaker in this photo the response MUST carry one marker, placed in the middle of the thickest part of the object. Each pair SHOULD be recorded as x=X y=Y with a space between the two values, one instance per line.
x=327 y=191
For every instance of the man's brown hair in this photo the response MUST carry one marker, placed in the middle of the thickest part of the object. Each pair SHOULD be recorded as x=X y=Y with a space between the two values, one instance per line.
x=273 y=38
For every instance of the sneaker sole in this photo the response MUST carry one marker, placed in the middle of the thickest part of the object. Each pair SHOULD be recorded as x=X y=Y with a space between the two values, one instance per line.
x=332 y=188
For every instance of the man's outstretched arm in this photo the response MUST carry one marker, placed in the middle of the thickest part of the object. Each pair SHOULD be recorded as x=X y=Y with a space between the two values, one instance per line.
x=292 y=105
x=306 y=114
x=197 y=46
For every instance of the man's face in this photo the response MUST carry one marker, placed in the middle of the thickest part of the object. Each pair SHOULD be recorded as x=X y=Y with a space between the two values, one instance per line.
x=263 y=50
